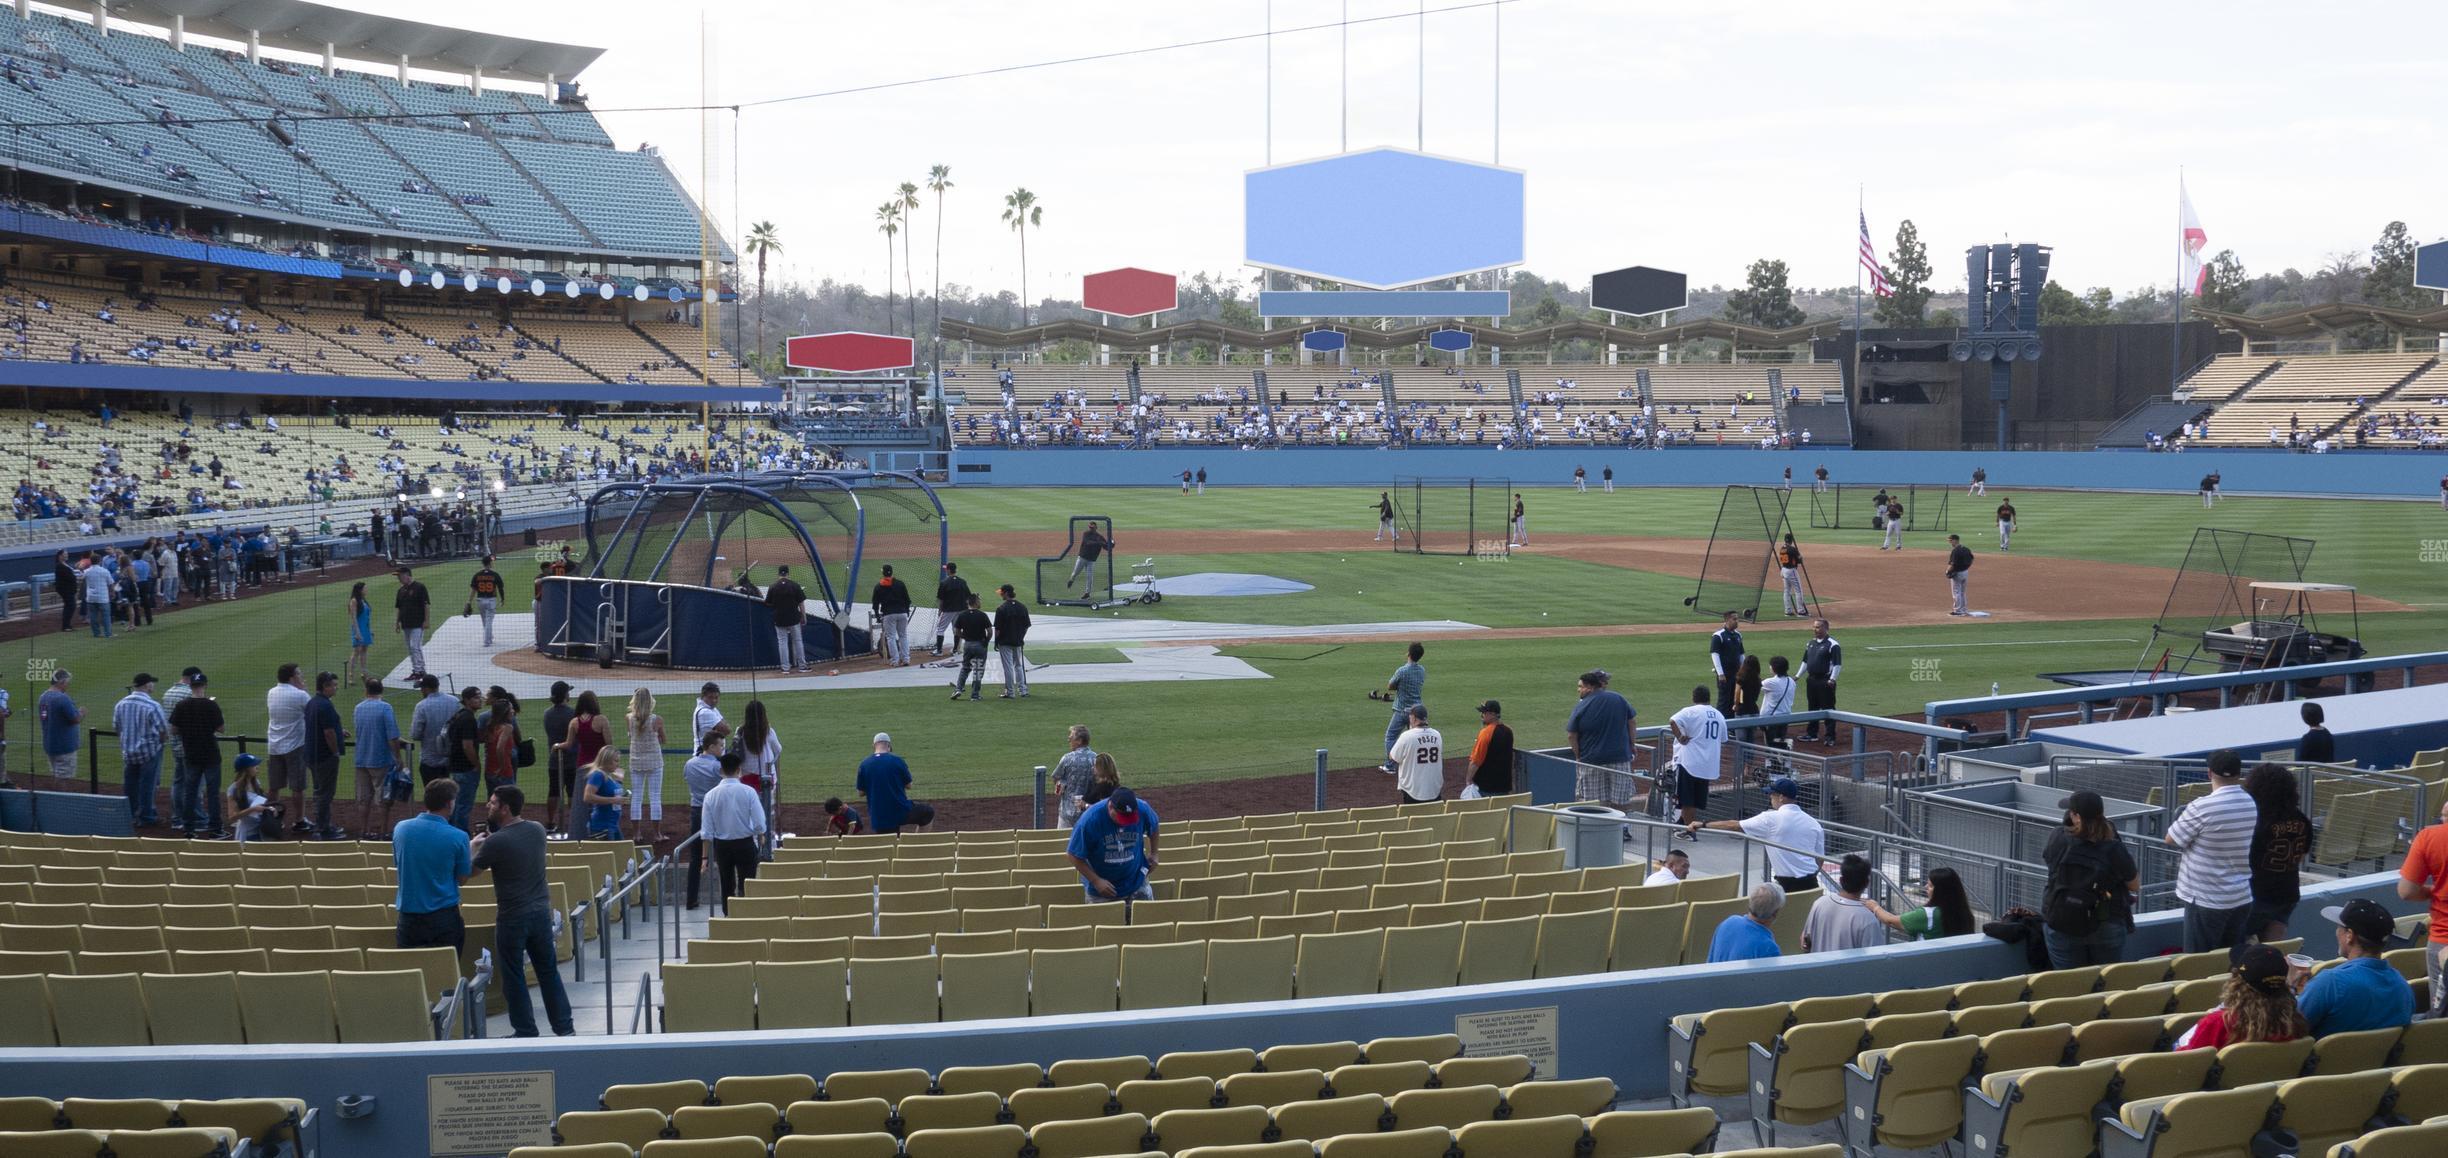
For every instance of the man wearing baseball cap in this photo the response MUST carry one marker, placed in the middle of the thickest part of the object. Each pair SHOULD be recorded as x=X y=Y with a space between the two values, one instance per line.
x=1491 y=758
x=2363 y=991
x=1783 y=823
x=1113 y=846
x=884 y=780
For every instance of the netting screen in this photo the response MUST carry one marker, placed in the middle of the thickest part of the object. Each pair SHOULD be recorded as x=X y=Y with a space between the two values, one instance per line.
x=1734 y=574
x=1454 y=516
x=1859 y=507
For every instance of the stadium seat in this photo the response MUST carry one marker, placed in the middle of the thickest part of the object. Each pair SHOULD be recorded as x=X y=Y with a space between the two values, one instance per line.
x=2325 y=1111
x=1382 y=1078
x=2159 y=1075
x=661 y=1097
x=1293 y=1149
x=893 y=990
x=1254 y=970
x=1798 y=1079
x=988 y=985
x=1162 y=976
x=1179 y=1130
x=1340 y=964
x=1555 y=1137
x=1451 y=1107
x=1504 y=1069
x=1581 y=1098
x=1644 y=1133
x=1318 y=1119
x=631 y=1128
x=1153 y=1096
x=2257 y=1062
x=183 y=1142
x=1119 y=1134
x=96 y=1010
x=771 y=1089
x=1109 y=1071
x=384 y=1006
x=890 y=1085
x=591 y=1150
x=1213 y=1064
x=757 y=1120
x=281 y=1008
x=2212 y=1124
x=1700 y=921
x=2349 y=1053
x=729 y=1147
x=1271 y=1088
x=987 y=1141
x=1405 y=1142
x=842 y=1116
x=1032 y=1107
x=1709 y=1053
x=117 y=1113
x=708 y=998
x=949 y=1111
x=1324 y=1055
x=1911 y=1096
x=871 y=1145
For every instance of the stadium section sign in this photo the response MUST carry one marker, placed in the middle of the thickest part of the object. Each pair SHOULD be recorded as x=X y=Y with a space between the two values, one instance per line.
x=1383 y=218
x=850 y=352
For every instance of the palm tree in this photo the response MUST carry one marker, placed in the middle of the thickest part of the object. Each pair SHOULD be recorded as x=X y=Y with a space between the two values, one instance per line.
x=1020 y=210
x=888 y=222
x=939 y=178
x=763 y=241
x=909 y=212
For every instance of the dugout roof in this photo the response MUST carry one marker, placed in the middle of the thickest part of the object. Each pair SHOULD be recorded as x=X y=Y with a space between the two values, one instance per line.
x=299 y=26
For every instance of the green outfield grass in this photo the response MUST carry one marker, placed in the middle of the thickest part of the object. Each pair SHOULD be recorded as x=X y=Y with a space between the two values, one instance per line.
x=1173 y=732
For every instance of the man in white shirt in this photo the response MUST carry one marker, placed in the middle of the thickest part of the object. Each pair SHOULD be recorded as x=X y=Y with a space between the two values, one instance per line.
x=1671 y=869
x=285 y=741
x=1784 y=823
x=1419 y=760
x=1840 y=920
x=1698 y=731
x=708 y=717
x=734 y=819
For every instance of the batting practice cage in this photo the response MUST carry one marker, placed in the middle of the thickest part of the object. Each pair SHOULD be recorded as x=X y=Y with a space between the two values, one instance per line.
x=1739 y=573
x=1067 y=580
x=2213 y=590
x=1453 y=516
x=1845 y=508
x=656 y=586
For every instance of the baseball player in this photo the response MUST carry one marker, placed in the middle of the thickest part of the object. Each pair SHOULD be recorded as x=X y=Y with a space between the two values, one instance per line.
x=2209 y=489
x=1895 y=526
x=1606 y=479
x=1980 y=481
x=1202 y=480
x=1959 y=572
x=1822 y=662
x=1786 y=483
x=1185 y=482
x=1521 y=526
x=1819 y=481
x=1580 y=480
x=2006 y=524
x=1385 y=519
x=2443 y=492
x=1092 y=546
x=1789 y=567
x=951 y=596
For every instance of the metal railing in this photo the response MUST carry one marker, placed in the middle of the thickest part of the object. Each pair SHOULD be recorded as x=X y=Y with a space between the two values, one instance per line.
x=1652 y=826
x=644 y=877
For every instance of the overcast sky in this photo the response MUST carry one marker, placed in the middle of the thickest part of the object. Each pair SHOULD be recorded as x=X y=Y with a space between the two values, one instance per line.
x=1695 y=136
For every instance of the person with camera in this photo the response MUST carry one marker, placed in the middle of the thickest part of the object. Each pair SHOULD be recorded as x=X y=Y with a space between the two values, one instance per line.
x=513 y=850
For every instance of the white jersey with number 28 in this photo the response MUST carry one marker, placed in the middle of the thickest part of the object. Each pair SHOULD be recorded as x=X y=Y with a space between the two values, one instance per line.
x=1419 y=762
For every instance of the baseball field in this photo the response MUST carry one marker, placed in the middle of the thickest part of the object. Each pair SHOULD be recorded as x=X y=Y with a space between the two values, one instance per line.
x=1600 y=584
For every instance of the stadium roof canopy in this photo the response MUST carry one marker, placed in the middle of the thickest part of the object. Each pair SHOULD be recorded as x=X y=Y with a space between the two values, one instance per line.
x=298 y=26
x=2323 y=321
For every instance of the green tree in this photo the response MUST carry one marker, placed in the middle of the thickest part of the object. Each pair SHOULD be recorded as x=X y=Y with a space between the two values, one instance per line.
x=2223 y=290
x=763 y=241
x=1020 y=211
x=888 y=222
x=2390 y=282
x=1908 y=274
x=939 y=179
x=1765 y=300
x=908 y=201
x=2060 y=307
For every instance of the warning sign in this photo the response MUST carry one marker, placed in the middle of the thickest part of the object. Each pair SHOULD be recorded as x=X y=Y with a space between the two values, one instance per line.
x=1530 y=1032
x=487 y=1114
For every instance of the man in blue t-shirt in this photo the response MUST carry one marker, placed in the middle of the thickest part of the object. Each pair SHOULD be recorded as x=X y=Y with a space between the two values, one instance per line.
x=1750 y=935
x=60 y=717
x=1113 y=846
x=1407 y=689
x=1600 y=729
x=884 y=780
x=2363 y=991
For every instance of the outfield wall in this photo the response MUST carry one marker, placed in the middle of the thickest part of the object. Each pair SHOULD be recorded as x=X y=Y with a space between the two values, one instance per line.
x=1610 y=1025
x=2406 y=474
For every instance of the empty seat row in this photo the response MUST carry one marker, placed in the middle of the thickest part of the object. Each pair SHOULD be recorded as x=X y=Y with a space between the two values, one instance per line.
x=177 y=1142
x=265 y=1122
x=2321 y=1113
x=216 y=1008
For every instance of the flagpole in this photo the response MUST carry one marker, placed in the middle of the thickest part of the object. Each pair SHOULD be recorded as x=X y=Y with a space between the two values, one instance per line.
x=1860 y=216
x=2176 y=328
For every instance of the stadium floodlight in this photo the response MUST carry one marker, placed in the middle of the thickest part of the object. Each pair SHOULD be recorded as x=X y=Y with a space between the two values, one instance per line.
x=536 y=287
x=468 y=283
x=570 y=288
x=439 y=279
x=407 y=278
x=437 y=492
x=498 y=485
x=501 y=285
x=641 y=293
x=605 y=291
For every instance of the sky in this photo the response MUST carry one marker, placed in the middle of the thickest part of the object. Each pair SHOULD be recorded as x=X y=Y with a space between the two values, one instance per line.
x=1692 y=136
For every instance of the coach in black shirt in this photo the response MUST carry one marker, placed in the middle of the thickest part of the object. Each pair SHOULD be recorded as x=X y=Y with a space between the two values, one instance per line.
x=1959 y=572
x=1822 y=662
x=1725 y=647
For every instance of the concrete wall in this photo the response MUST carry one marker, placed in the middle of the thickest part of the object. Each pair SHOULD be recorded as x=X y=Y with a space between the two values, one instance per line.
x=2405 y=475
x=1609 y=1025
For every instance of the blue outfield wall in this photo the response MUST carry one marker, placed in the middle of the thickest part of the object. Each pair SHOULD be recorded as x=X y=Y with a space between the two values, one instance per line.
x=1610 y=1025
x=2406 y=474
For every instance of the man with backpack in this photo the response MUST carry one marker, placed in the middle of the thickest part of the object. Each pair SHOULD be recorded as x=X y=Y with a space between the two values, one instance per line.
x=2087 y=906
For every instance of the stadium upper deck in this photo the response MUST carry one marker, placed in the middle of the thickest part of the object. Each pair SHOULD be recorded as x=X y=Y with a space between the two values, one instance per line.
x=429 y=168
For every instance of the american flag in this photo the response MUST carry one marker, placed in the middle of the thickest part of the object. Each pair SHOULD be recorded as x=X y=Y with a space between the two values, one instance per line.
x=1870 y=261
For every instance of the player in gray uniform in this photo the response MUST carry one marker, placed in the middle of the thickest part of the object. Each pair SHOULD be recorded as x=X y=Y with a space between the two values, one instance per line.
x=2006 y=525
x=1895 y=526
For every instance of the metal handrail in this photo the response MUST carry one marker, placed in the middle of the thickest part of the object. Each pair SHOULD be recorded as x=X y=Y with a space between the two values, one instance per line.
x=1819 y=857
x=637 y=1009
x=472 y=994
x=617 y=894
x=671 y=864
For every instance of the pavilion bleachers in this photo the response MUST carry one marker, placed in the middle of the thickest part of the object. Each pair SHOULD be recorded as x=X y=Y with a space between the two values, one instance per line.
x=2312 y=394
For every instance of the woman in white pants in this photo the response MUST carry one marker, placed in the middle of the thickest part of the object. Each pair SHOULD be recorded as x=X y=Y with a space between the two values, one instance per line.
x=645 y=766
